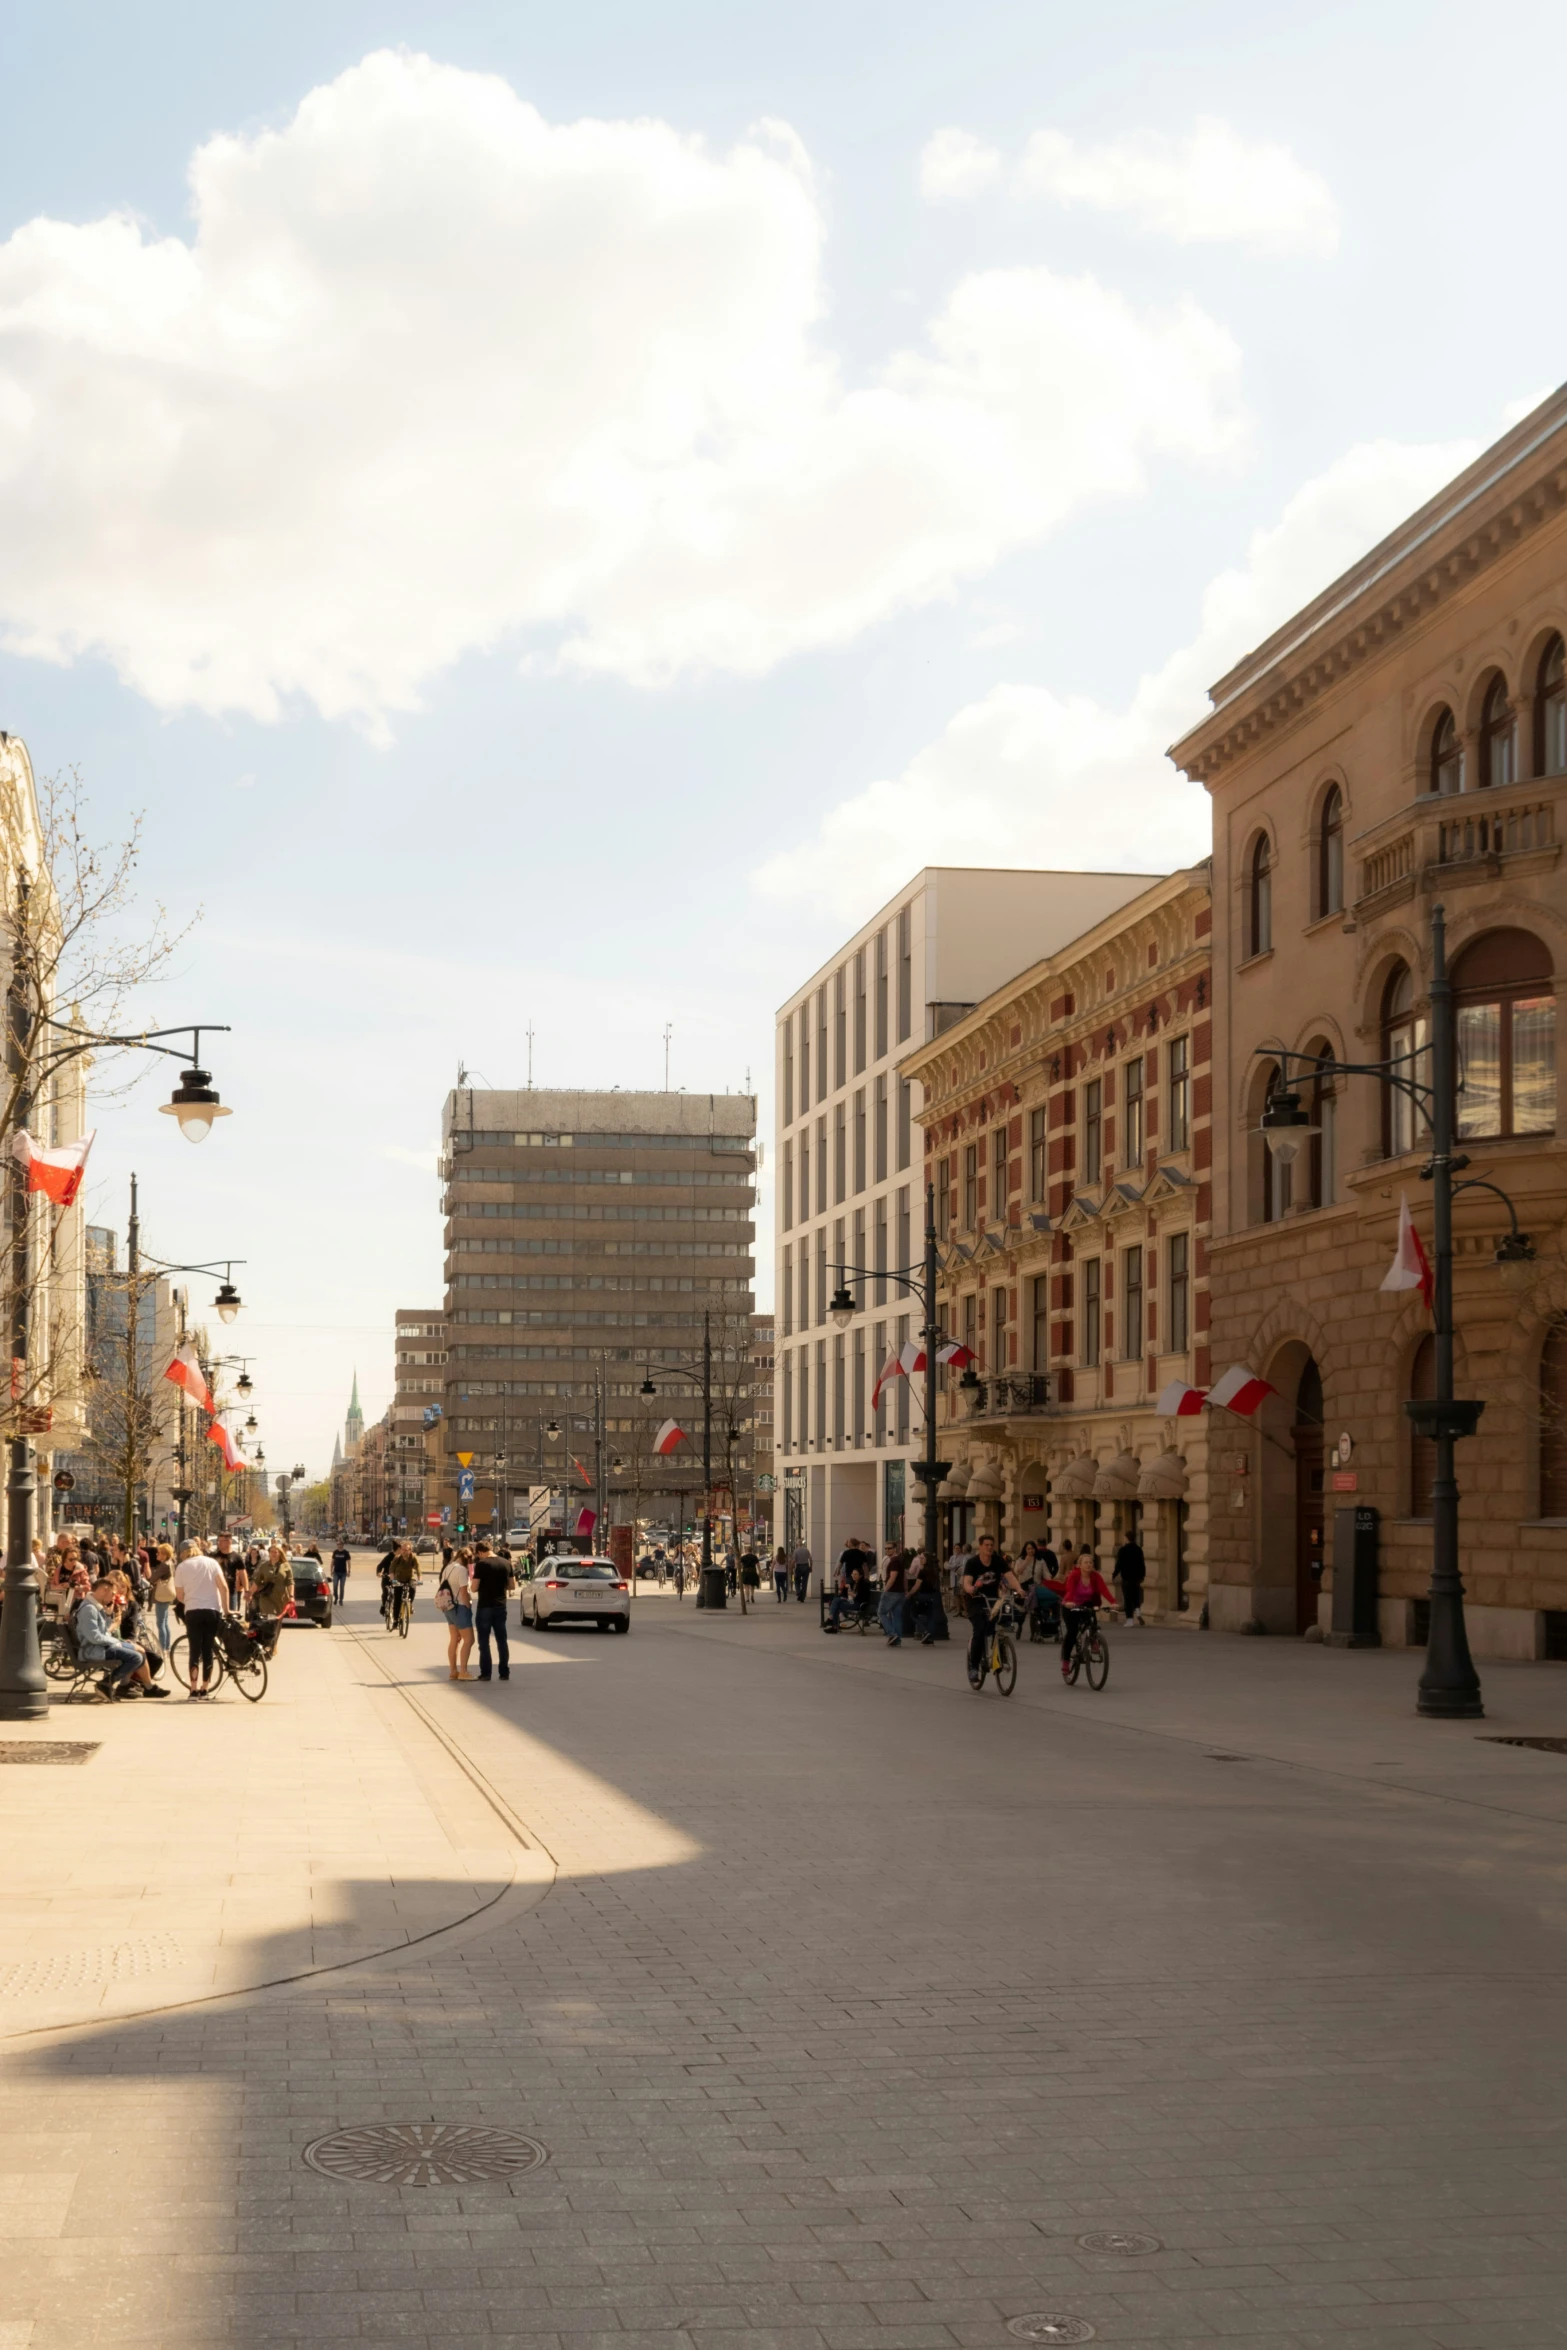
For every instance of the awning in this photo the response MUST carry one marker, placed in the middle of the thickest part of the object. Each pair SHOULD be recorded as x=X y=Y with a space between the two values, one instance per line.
x=1163 y=1479
x=1118 y=1480
x=1076 y=1481
x=987 y=1483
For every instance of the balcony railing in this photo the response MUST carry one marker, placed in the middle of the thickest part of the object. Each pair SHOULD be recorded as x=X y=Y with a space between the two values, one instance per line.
x=1008 y=1396
x=1504 y=834
x=1394 y=862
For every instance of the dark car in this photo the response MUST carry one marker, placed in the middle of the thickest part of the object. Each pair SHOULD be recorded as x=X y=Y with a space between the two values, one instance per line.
x=313 y=1591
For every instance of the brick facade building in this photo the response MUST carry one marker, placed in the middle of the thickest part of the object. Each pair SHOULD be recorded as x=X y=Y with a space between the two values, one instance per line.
x=1400 y=742
x=1067 y=1147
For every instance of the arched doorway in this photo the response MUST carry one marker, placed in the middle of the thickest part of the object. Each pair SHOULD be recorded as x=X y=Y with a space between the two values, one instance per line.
x=1309 y=1496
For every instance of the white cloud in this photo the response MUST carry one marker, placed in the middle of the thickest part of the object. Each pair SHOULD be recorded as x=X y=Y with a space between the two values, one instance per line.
x=432 y=372
x=1031 y=777
x=1212 y=187
x=955 y=165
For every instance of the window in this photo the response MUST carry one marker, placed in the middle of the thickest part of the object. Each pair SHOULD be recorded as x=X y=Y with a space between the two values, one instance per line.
x=1553 y=1422
x=998 y=1329
x=1092 y=1324
x=1179 y=1062
x=1550 y=710
x=857 y=1254
x=1093 y=1130
x=879 y=1353
x=880 y=1258
x=821 y=1165
x=1447 y=756
x=1039 y=1289
x=788 y=1185
x=788 y=1073
x=971 y=1324
x=970 y=1186
x=902 y=1257
x=840 y=1026
x=879 y=1144
x=821 y=1043
x=1259 y=891
x=788 y=1292
x=1134 y=1119
x=859 y=1011
x=821 y=1395
x=1178 y=1311
x=805 y=1301
x=821 y=1274
x=905 y=974
x=943 y=1198
x=805 y=1056
x=1506 y=1023
x=1037 y=1168
x=998 y=1175
x=881 y=993
x=837 y=1393
x=1403 y=1040
x=1498 y=737
x=1132 y=1304
x=1330 y=853
x=905 y=1122
x=1422 y=1449
x=859 y=1138
x=902 y=1386
x=1278 y=1174
x=788 y=1403
x=1323 y=1163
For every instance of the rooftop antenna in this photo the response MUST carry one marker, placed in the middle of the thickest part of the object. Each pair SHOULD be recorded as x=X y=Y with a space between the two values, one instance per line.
x=668 y=1033
x=530 y=1056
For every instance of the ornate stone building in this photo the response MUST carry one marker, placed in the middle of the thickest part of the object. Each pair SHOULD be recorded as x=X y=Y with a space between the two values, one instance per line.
x=1400 y=742
x=1067 y=1146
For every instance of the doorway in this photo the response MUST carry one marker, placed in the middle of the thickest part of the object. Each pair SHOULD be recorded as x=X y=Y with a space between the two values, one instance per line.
x=1309 y=1496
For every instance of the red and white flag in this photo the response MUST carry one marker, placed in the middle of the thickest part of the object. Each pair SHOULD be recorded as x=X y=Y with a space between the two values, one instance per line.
x=1239 y=1390
x=586 y=1521
x=891 y=1369
x=57 y=1173
x=1411 y=1267
x=220 y=1434
x=1180 y=1402
x=186 y=1372
x=669 y=1436
x=911 y=1358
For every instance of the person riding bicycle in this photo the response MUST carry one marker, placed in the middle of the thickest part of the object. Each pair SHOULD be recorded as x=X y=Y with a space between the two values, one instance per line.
x=1083 y=1588
x=402 y=1574
x=985 y=1577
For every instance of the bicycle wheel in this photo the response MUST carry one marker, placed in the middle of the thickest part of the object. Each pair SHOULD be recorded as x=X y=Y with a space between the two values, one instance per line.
x=1096 y=1661
x=1004 y=1665
x=1075 y=1667
x=250 y=1678
x=179 y=1660
x=405 y=1615
x=59 y=1663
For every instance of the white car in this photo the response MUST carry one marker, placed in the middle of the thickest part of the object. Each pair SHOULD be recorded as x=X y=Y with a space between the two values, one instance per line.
x=569 y=1589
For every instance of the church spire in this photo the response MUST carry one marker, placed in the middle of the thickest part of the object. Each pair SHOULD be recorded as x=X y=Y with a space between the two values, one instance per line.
x=354 y=1425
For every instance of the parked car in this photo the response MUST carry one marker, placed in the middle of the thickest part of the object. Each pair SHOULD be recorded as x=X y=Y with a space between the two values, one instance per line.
x=425 y=1545
x=313 y=1591
x=566 y=1589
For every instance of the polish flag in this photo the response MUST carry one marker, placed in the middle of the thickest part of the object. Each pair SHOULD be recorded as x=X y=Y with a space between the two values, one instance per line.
x=669 y=1436
x=586 y=1521
x=218 y=1433
x=581 y=1471
x=1180 y=1402
x=1411 y=1267
x=892 y=1368
x=185 y=1372
x=1240 y=1391
x=56 y=1173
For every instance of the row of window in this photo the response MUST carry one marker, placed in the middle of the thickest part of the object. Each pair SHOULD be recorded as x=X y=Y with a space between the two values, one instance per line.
x=860 y=1142
x=1092 y=1109
x=984 y=1319
x=849 y=1016
x=889 y=1238
x=826 y=1389
x=469 y=1244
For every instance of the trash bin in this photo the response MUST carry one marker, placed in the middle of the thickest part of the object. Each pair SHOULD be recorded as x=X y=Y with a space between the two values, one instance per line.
x=715 y=1591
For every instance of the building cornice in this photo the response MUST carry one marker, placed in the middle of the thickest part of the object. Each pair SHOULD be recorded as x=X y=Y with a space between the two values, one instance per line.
x=1499 y=503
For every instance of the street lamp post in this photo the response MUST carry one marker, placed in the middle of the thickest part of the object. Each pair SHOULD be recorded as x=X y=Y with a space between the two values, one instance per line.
x=1449 y=1685
x=705 y=1379
x=24 y=1693
x=920 y=1284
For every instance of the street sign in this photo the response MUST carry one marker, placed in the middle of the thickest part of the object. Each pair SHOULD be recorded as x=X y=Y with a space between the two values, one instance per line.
x=446 y=1515
x=64 y=1481
x=432 y=1517
x=466 y=1481
x=465 y=1460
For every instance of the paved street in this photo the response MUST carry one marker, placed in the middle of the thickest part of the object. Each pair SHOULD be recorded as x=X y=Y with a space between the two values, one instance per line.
x=845 y=2004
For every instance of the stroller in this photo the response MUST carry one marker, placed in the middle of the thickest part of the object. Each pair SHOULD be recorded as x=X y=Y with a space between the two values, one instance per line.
x=1044 y=1612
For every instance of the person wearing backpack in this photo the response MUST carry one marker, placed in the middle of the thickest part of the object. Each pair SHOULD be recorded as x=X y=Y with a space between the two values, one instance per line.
x=454 y=1598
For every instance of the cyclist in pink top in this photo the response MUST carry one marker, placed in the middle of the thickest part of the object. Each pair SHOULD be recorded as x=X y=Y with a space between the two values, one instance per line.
x=1082 y=1589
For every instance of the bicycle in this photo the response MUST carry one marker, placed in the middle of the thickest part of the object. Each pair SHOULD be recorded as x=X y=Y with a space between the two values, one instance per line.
x=402 y=1609
x=999 y=1660
x=1089 y=1654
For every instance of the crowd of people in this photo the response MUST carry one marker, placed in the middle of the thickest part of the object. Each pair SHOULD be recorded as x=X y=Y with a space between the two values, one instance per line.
x=121 y=1602
x=472 y=1586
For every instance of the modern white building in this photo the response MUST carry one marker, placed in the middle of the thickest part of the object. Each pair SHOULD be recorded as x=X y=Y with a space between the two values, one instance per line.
x=848 y=1172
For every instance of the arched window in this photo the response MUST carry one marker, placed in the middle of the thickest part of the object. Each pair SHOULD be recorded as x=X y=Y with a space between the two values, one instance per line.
x=1498 y=737
x=1259 y=912
x=1316 y=1170
x=1330 y=853
x=1447 y=756
x=1422 y=1449
x=1506 y=1034
x=1404 y=1041
x=1553 y=1421
x=1550 y=711
x=1278 y=1175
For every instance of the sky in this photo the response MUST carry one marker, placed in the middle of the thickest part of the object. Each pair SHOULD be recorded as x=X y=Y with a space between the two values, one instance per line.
x=552 y=515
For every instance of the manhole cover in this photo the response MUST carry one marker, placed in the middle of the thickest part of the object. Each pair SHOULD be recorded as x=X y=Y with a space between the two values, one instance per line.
x=428 y=2154
x=39 y=1750
x=1105 y=2240
x=1050 y=2329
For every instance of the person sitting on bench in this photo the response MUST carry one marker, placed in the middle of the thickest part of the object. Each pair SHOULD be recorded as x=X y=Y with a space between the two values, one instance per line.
x=97 y=1643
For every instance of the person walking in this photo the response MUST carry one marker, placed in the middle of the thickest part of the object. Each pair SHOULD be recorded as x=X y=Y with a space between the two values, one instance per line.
x=925 y=1613
x=751 y=1570
x=1131 y=1571
x=234 y=1570
x=454 y=1597
x=163 y=1595
x=273 y=1587
x=894 y=1590
x=680 y=1574
x=493 y=1581
x=781 y=1577
x=202 y=1589
x=801 y=1562
x=342 y=1562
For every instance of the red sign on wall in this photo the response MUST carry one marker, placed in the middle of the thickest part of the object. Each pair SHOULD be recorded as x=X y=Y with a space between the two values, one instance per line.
x=1345 y=1481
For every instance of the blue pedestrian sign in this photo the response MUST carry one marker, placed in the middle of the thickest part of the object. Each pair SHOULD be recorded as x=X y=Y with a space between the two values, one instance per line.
x=465 y=1484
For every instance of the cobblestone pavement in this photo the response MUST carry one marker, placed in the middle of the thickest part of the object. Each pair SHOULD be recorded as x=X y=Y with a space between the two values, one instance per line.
x=847 y=2006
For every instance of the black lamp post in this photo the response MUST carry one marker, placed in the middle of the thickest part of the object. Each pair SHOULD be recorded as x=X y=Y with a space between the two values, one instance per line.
x=920 y=1283
x=1449 y=1685
x=33 y=1060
